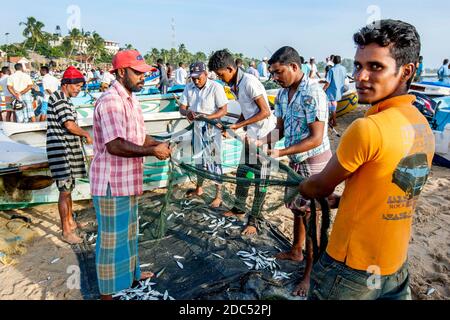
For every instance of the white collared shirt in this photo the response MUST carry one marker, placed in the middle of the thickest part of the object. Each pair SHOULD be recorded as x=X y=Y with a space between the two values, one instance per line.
x=207 y=100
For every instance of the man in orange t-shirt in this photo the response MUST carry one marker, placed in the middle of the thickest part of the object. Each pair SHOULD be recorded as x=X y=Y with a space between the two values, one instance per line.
x=385 y=159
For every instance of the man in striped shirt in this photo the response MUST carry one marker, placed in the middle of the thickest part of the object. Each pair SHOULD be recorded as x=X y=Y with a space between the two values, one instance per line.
x=64 y=153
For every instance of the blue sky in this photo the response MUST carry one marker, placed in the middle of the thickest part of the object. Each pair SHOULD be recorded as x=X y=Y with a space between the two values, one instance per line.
x=255 y=28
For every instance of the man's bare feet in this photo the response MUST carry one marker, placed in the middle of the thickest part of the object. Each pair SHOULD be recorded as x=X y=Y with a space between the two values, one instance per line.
x=290 y=255
x=147 y=275
x=235 y=213
x=78 y=225
x=302 y=288
x=217 y=202
x=71 y=238
x=249 y=231
x=194 y=193
x=144 y=276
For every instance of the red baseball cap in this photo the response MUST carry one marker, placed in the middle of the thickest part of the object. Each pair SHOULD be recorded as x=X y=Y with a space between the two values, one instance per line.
x=130 y=59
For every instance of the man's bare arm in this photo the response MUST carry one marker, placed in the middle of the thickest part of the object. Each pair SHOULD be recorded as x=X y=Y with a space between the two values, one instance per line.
x=122 y=148
x=264 y=113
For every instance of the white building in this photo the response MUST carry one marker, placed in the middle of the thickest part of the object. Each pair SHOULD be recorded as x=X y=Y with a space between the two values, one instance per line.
x=112 y=47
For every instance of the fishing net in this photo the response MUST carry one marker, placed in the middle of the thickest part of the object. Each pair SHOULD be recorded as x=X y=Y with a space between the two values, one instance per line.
x=198 y=253
x=249 y=182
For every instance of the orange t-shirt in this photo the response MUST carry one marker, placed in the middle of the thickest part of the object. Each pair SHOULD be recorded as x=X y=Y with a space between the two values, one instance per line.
x=389 y=153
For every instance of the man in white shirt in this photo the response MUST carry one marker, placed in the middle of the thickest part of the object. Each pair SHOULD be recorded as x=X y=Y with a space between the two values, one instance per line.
x=252 y=69
x=7 y=97
x=263 y=70
x=181 y=74
x=50 y=84
x=107 y=79
x=20 y=85
x=314 y=73
x=204 y=98
x=257 y=117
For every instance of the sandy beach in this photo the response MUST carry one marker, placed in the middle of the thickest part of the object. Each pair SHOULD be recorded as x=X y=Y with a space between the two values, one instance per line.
x=46 y=269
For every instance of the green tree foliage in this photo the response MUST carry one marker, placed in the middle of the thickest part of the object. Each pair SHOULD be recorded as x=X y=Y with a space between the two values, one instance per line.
x=182 y=54
x=33 y=33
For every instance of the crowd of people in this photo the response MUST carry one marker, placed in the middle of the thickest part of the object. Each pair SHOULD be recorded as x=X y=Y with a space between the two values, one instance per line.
x=372 y=228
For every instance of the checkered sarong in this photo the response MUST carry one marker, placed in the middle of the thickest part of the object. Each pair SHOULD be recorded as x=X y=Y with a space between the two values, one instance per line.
x=307 y=168
x=117 y=260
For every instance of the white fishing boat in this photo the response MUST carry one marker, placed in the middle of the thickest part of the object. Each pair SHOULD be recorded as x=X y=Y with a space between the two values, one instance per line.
x=25 y=177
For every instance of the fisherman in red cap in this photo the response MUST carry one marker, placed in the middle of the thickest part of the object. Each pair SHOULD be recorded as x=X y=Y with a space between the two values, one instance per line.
x=117 y=174
x=64 y=150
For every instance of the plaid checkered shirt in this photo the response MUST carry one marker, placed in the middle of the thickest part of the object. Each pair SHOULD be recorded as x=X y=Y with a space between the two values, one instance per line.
x=117 y=115
x=309 y=104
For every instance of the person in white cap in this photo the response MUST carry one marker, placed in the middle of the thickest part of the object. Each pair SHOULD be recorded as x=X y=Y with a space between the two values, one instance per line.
x=263 y=70
x=314 y=74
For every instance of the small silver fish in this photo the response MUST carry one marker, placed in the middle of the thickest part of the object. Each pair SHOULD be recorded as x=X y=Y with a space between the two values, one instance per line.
x=178 y=257
x=145 y=265
x=218 y=256
x=180 y=265
x=160 y=272
x=55 y=260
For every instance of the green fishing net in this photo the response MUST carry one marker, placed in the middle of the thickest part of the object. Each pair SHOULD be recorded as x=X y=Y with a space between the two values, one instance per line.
x=250 y=182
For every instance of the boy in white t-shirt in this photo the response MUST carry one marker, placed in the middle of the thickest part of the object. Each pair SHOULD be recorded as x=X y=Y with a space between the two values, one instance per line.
x=7 y=97
x=259 y=121
x=50 y=84
x=207 y=99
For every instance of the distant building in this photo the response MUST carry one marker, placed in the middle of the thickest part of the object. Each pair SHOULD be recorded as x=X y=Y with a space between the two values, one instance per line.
x=112 y=47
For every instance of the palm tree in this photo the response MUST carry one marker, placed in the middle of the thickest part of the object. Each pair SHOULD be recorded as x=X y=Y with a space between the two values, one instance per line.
x=183 y=54
x=33 y=31
x=128 y=47
x=96 y=46
x=74 y=37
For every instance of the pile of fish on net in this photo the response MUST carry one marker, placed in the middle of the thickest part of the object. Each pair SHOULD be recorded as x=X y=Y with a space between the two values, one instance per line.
x=260 y=260
x=143 y=291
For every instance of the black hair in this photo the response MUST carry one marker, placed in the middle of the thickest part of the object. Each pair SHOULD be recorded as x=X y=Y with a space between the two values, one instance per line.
x=239 y=61
x=220 y=60
x=160 y=60
x=337 y=59
x=445 y=61
x=180 y=64
x=402 y=38
x=18 y=66
x=46 y=69
x=5 y=70
x=286 y=55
